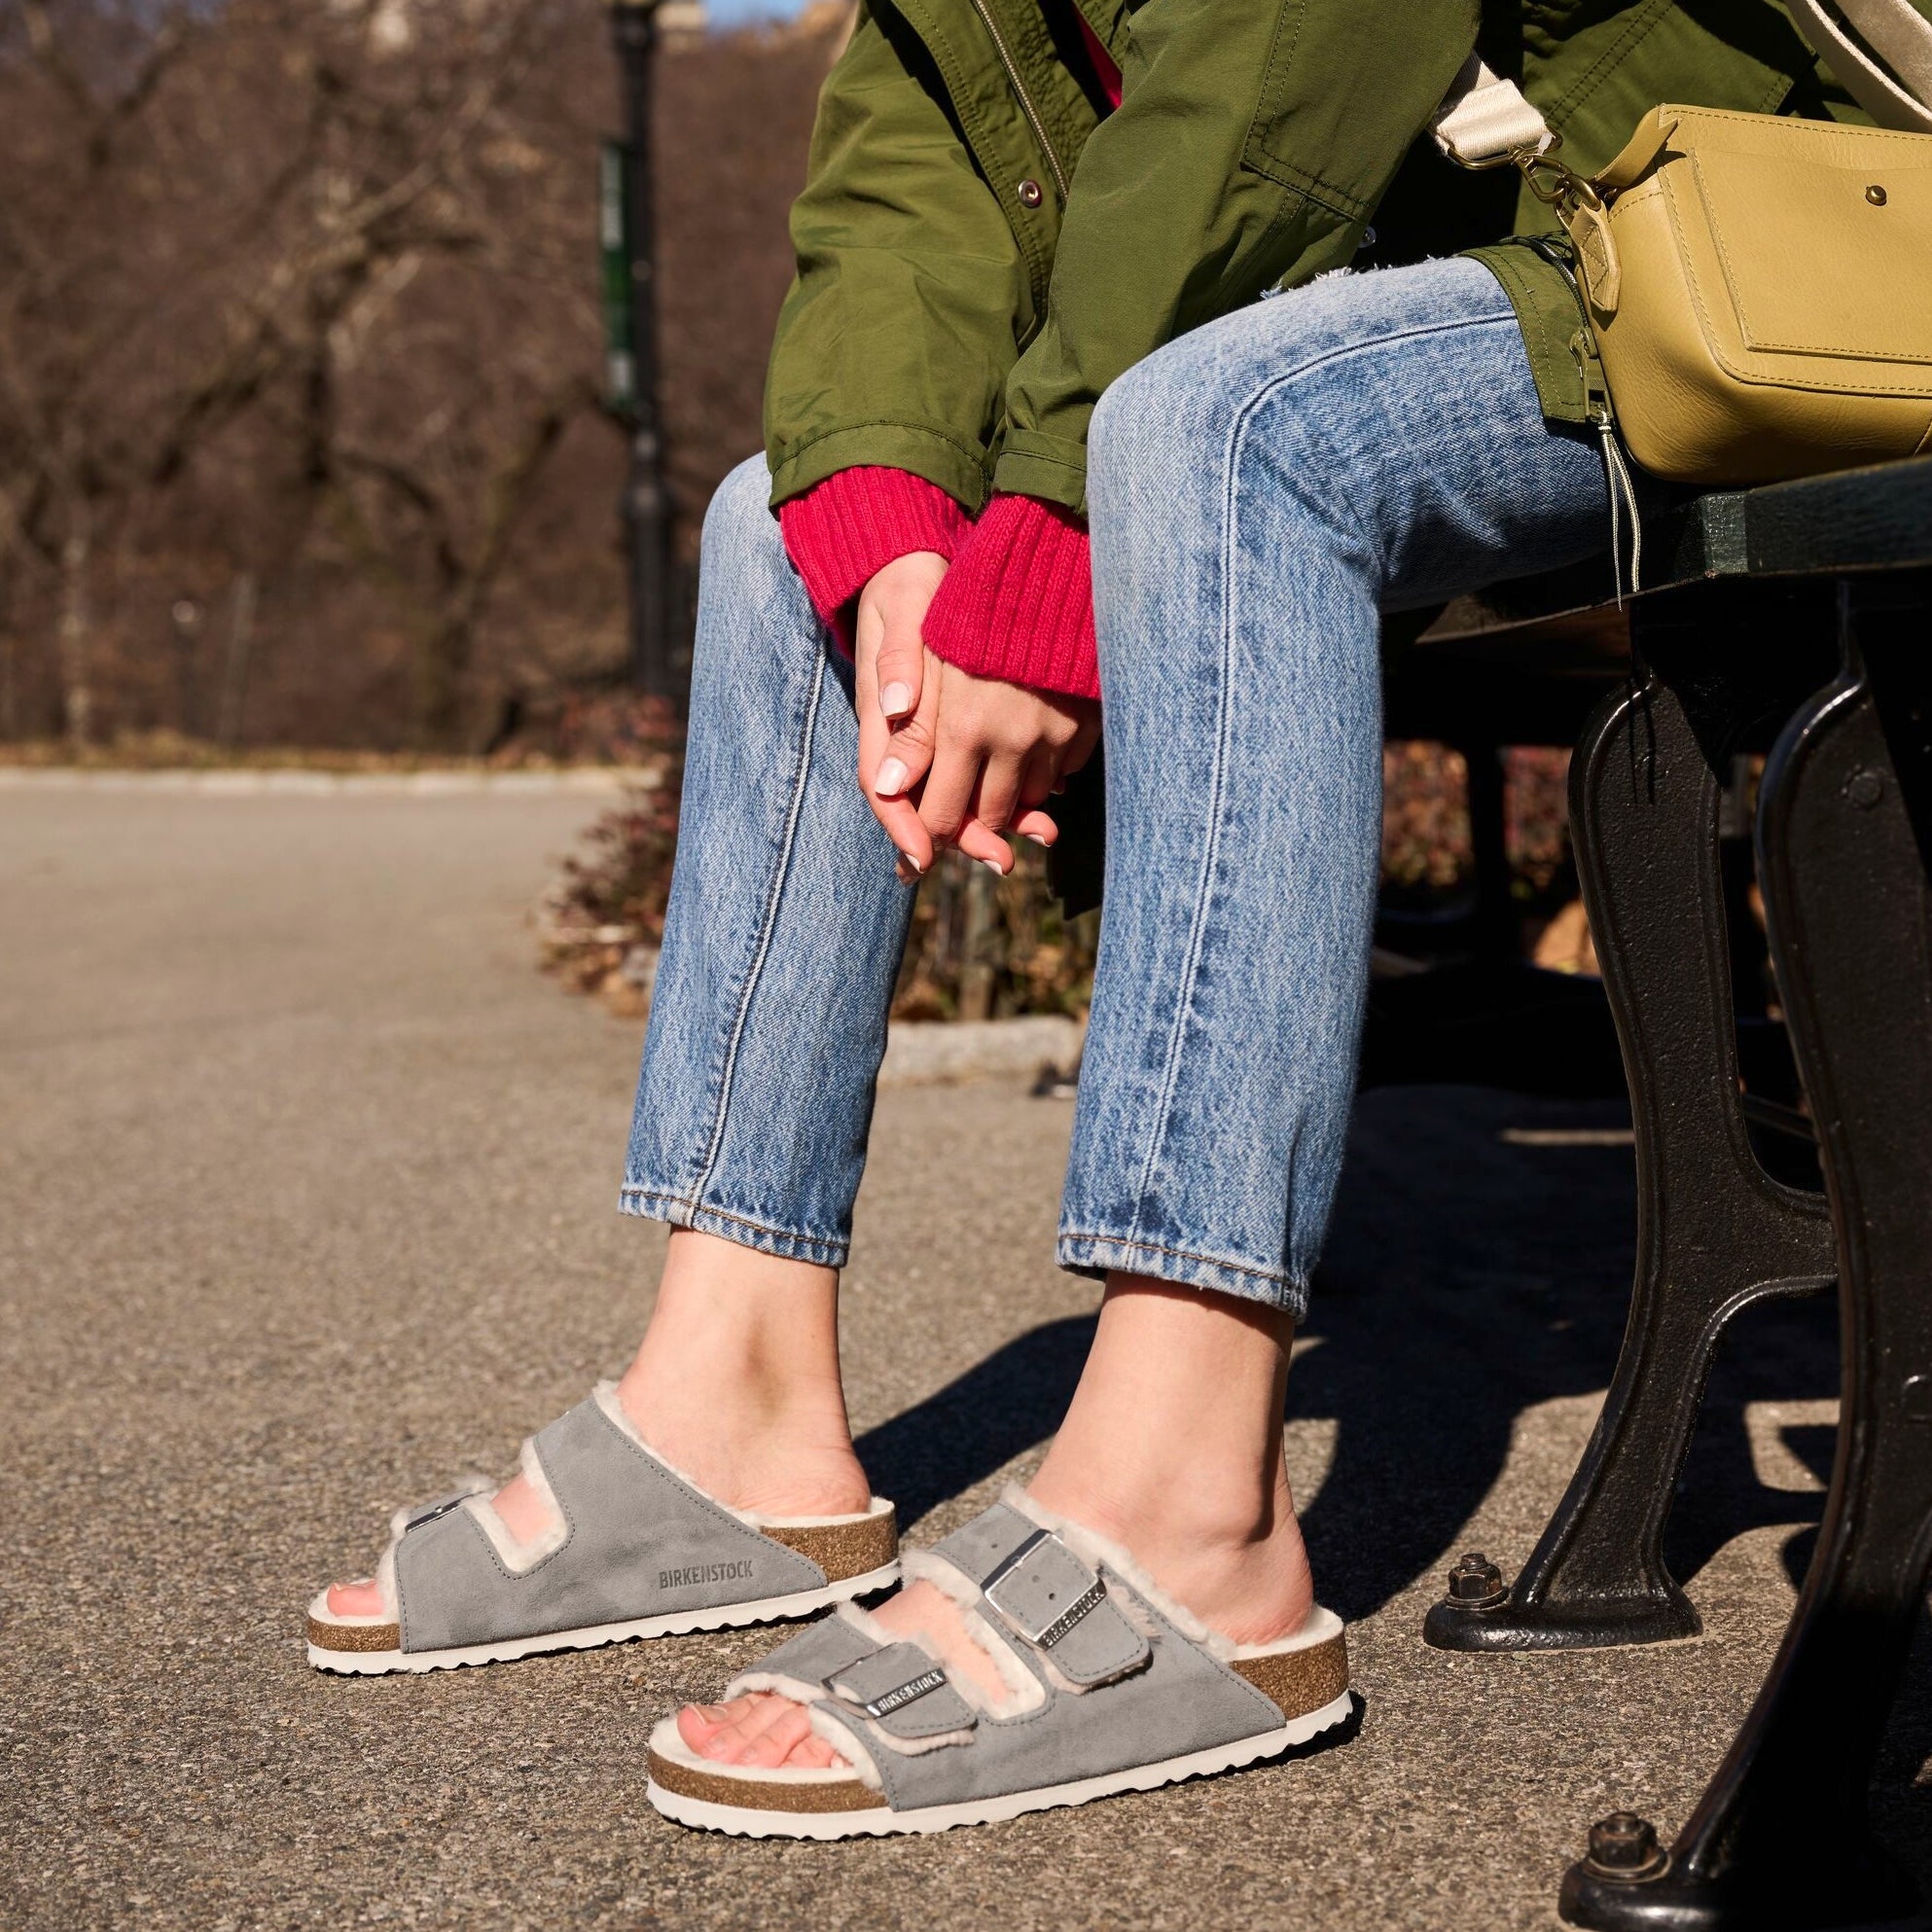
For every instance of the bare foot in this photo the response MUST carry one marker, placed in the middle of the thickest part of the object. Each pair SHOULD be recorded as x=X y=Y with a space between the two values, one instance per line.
x=766 y=1729
x=737 y=1385
x=1172 y=1449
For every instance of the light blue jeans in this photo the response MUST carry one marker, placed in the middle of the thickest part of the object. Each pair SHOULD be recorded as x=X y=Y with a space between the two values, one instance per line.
x=1260 y=492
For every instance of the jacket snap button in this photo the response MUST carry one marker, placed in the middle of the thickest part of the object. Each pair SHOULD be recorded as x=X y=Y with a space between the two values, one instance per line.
x=1030 y=194
x=1874 y=193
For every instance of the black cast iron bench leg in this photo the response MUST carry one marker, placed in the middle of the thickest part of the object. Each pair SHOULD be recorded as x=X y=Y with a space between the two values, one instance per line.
x=1781 y=1840
x=1715 y=1230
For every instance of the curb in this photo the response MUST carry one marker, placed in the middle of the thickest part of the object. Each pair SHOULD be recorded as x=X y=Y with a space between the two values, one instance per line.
x=590 y=780
x=934 y=1053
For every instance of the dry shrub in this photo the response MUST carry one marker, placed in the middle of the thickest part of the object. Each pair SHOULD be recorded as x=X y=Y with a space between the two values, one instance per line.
x=981 y=947
x=1426 y=845
x=1425 y=817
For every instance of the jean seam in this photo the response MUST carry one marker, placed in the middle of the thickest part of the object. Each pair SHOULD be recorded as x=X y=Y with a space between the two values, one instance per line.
x=831 y=1244
x=1369 y=536
x=1284 y=1277
x=787 y=841
x=1197 y=935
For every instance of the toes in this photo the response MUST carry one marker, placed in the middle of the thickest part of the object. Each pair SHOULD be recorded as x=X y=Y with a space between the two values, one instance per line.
x=774 y=1744
x=737 y=1737
x=763 y=1728
x=361 y=1598
x=699 y=1724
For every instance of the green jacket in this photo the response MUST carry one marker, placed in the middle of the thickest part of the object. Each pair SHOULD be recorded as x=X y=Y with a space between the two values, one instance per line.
x=958 y=170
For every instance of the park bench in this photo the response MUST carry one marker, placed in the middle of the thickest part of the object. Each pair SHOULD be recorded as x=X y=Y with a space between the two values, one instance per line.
x=1794 y=620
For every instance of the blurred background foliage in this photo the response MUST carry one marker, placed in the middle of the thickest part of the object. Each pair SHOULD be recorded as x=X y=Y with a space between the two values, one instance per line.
x=300 y=355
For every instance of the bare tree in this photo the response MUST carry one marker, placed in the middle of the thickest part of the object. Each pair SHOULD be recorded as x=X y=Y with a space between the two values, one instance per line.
x=305 y=290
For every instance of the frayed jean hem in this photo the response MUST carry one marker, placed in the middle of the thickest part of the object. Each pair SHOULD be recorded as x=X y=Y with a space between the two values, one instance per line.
x=1098 y=1255
x=786 y=1242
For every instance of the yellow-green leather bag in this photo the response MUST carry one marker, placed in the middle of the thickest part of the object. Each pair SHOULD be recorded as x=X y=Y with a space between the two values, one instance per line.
x=1759 y=287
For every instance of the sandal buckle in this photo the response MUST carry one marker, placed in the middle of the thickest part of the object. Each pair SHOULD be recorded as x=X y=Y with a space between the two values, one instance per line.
x=896 y=1698
x=1044 y=1628
x=431 y=1511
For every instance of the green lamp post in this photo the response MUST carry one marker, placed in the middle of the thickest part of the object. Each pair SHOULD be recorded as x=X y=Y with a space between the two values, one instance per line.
x=658 y=667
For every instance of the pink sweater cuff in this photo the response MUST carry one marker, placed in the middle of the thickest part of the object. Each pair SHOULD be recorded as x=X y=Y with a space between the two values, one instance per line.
x=844 y=530
x=1017 y=603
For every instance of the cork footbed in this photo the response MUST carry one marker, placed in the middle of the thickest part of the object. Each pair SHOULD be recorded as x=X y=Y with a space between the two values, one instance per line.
x=765 y=1794
x=1299 y=1682
x=842 y=1550
x=353 y=1636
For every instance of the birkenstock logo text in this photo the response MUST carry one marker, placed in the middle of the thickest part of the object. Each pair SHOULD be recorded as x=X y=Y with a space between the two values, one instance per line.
x=702 y=1573
x=906 y=1693
x=1088 y=1600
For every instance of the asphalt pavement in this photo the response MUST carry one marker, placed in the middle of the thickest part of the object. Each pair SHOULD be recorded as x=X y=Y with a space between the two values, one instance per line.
x=307 y=1204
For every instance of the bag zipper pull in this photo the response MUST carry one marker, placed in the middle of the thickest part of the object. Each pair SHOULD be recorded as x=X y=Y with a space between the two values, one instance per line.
x=1617 y=474
x=1616 y=471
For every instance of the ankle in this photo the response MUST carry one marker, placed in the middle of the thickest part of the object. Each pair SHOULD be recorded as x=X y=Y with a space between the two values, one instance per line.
x=1242 y=1569
x=1172 y=1449
x=1219 y=1511
x=738 y=1384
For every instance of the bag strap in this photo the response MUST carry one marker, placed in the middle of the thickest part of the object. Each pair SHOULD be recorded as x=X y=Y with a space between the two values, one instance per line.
x=1899 y=34
x=1485 y=121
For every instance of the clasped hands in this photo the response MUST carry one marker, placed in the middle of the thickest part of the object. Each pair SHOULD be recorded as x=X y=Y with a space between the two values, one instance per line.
x=946 y=758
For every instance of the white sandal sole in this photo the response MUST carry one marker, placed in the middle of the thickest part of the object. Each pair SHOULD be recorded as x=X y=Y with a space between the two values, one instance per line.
x=742 y=1822
x=721 y=1617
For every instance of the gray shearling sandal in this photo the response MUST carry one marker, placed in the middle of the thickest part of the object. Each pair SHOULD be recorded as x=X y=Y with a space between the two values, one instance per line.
x=1111 y=1686
x=633 y=1550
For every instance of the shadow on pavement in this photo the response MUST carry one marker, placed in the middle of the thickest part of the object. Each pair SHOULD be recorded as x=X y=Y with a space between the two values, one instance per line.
x=1470 y=1276
x=977 y=1423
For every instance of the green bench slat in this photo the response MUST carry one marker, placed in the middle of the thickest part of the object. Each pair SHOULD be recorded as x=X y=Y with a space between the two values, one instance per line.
x=1878 y=518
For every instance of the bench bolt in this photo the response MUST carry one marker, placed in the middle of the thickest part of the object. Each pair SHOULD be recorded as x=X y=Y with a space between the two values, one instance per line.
x=1476 y=1583
x=1623 y=1846
x=1865 y=789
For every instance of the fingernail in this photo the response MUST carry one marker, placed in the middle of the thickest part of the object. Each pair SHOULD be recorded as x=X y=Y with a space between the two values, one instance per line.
x=913 y=862
x=891 y=779
x=896 y=700
x=1033 y=838
x=994 y=867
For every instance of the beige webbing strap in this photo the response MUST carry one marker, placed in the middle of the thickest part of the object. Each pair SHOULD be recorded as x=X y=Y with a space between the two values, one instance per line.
x=1484 y=119
x=1899 y=35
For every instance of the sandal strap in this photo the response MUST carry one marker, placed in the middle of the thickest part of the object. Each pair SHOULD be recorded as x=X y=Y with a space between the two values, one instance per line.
x=1123 y=1682
x=640 y=1541
x=813 y=1654
x=1055 y=1602
x=901 y=1688
x=904 y=1690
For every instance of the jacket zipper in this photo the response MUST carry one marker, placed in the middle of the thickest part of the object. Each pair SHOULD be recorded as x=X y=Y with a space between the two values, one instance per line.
x=1026 y=106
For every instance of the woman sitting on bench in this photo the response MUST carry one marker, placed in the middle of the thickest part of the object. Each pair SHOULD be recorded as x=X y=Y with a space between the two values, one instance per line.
x=1129 y=378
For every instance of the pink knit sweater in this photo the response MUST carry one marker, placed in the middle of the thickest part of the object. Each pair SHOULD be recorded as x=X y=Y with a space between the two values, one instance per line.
x=1017 y=603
